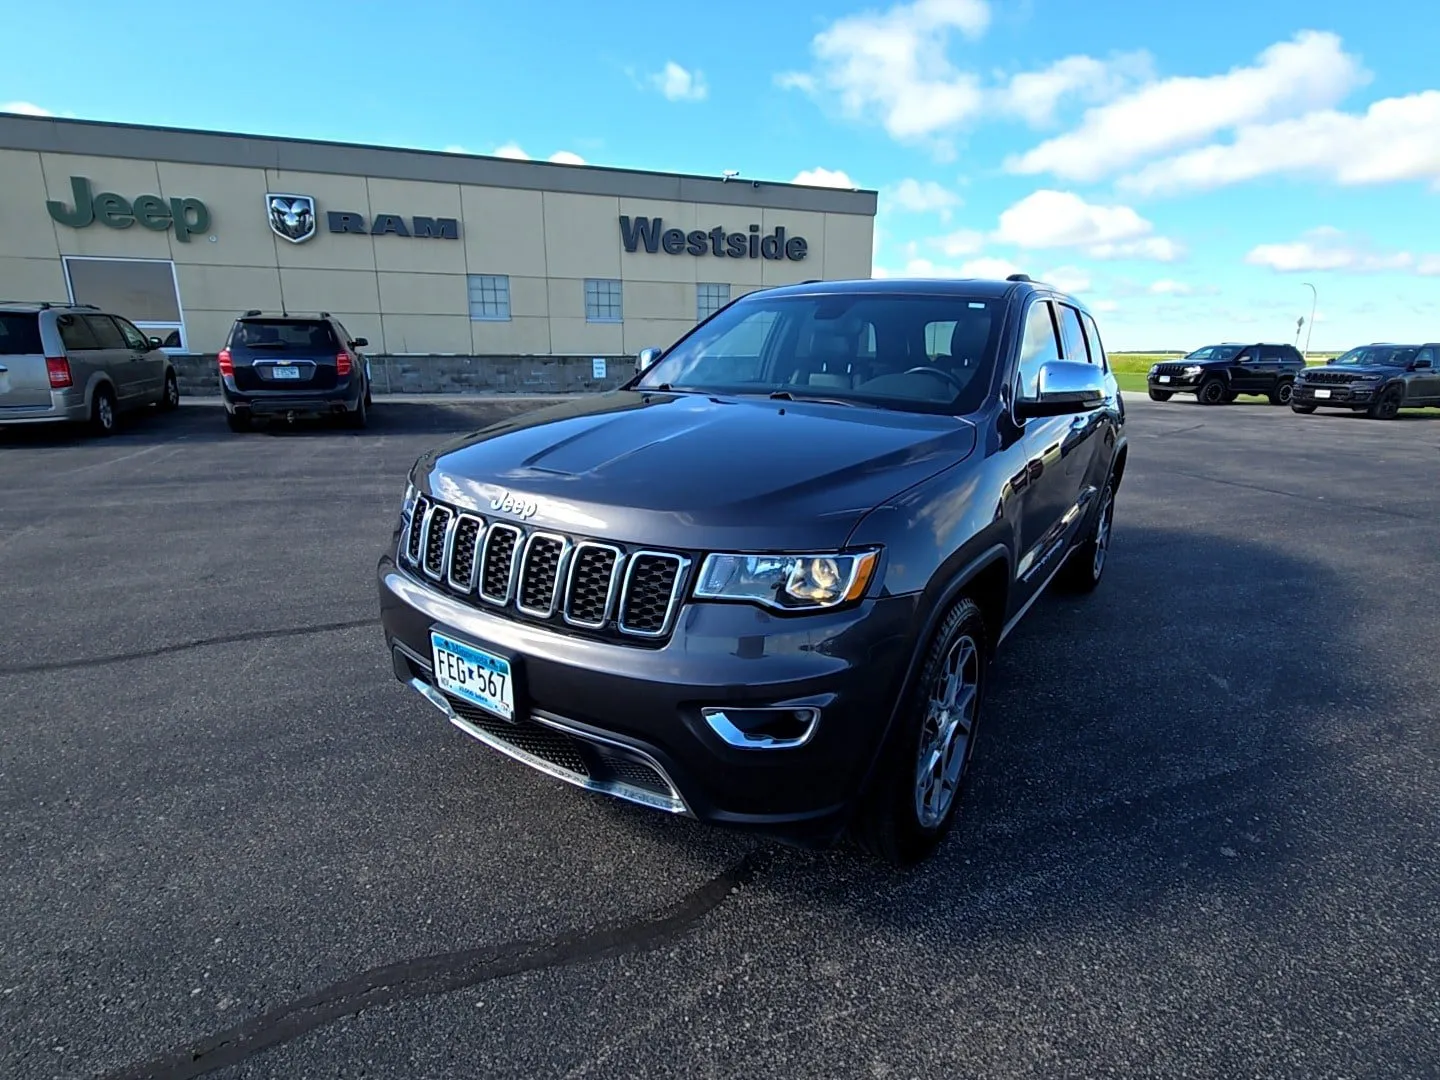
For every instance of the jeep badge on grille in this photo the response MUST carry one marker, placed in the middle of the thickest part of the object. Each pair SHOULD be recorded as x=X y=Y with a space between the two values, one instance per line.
x=507 y=503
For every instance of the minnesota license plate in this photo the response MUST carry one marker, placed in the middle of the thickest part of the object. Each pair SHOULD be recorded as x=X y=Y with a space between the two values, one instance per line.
x=1322 y=393
x=1164 y=378
x=473 y=675
x=284 y=371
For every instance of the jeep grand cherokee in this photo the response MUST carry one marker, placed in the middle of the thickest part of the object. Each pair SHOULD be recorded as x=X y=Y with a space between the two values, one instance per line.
x=762 y=583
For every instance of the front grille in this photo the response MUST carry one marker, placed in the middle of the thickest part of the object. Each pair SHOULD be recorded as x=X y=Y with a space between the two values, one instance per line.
x=1169 y=369
x=462 y=552
x=440 y=518
x=1331 y=378
x=649 y=593
x=585 y=584
x=540 y=574
x=538 y=740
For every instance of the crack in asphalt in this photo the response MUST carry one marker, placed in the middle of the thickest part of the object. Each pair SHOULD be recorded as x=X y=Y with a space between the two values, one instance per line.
x=185 y=646
x=438 y=974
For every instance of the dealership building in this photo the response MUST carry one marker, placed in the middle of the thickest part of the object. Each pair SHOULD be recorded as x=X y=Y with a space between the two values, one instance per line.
x=425 y=254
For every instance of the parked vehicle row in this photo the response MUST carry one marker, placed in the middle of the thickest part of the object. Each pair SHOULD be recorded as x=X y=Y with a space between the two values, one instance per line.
x=1378 y=379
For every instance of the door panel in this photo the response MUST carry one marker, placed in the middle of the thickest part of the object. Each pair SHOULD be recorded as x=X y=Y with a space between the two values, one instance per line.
x=125 y=369
x=151 y=360
x=1425 y=383
x=83 y=351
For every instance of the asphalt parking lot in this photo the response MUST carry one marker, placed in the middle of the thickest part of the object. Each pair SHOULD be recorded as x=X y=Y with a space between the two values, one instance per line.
x=1201 y=839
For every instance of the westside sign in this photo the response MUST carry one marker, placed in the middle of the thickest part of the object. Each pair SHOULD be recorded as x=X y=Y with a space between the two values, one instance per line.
x=186 y=216
x=653 y=236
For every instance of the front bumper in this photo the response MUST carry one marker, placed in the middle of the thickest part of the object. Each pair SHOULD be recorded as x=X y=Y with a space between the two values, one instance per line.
x=1348 y=396
x=1178 y=384
x=619 y=709
x=343 y=398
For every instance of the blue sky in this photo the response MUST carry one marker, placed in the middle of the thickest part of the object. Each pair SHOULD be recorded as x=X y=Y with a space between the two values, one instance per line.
x=1184 y=169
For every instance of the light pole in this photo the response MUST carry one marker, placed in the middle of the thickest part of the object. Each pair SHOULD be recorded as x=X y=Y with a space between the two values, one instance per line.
x=1314 y=299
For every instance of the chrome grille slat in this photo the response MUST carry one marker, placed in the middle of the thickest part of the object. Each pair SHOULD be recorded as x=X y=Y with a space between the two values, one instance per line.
x=590 y=585
x=464 y=545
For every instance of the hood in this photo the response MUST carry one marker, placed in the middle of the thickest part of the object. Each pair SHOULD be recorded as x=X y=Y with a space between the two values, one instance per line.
x=1356 y=369
x=694 y=471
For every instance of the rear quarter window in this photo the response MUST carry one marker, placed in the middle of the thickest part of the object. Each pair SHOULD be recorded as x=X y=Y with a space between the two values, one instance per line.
x=20 y=334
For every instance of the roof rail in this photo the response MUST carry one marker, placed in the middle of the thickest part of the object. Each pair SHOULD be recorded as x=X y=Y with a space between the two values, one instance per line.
x=1018 y=277
x=252 y=311
x=45 y=305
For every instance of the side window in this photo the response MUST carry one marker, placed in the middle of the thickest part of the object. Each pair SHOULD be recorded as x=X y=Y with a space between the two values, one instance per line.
x=75 y=334
x=1038 y=345
x=105 y=331
x=1425 y=358
x=133 y=338
x=1097 y=348
x=1072 y=334
x=734 y=356
x=1245 y=356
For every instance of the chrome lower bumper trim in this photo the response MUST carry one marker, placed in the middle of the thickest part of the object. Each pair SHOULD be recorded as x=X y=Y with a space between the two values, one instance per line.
x=673 y=803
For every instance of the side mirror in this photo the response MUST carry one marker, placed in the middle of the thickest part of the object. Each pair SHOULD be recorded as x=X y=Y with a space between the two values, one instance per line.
x=1065 y=387
x=646 y=359
x=155 y=343
x=1420 y=365
x=360 y=342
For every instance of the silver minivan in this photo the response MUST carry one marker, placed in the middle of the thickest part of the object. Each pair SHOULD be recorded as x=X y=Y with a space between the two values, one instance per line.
x=74 y=362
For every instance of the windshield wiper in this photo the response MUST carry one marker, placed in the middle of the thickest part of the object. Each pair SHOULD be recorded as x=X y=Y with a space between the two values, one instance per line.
x=268 y=345
x=786 y=395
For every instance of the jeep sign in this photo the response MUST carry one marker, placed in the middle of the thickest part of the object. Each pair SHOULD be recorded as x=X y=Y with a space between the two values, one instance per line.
x=186 y=216
x=653 y=236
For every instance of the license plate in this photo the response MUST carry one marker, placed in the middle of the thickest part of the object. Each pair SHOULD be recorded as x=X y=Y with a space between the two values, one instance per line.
x=1322 y=393
x=1164 y=378
x=473 y=675
x=285 y=372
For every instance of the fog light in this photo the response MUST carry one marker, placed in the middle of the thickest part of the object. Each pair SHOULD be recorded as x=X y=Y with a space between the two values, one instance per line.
x=764 y=728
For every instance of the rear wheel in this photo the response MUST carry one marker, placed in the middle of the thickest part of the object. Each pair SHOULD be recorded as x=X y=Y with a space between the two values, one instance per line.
x=1212 y=391
x=358 y=417
x=1282 y=393
x=924 y=766
x=1160 y=395
x=1387 y=405
x=170 y=398
x=103 y=415
x=239 y=420
x=1086 y=563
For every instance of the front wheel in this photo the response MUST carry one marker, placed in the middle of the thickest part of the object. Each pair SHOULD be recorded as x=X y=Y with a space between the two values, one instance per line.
x=1303 y=410
x=170 y=397
x=1282 y=394
x=925 y=764
x=1387 y=405
x=1212 y=392
x=1160 y=395
x=1086 y=564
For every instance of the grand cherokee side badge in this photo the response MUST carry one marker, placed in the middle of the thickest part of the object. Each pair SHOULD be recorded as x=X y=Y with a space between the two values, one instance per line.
x=507 y=503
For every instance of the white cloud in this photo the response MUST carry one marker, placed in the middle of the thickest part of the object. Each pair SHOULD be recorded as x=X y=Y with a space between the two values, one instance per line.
x=567 y=157
x=1310 y=71
x=960 y=243
x=1034 y=95
x=680 y=84
x=988 y=267
x=1394 y=139
x=1062 y=219
x=516 y=153
x=819 y=177
x=920 y=197
x=1169 y=287
x=511 y=150
x=24 y=108
x=974 y=268
x=1070 y=279
x=892 y=66
x=1330 y=249
x=454 y=148
x=1102 y=307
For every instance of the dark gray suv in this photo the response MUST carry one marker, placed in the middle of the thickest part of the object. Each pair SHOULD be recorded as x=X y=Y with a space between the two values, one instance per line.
x=762 y=583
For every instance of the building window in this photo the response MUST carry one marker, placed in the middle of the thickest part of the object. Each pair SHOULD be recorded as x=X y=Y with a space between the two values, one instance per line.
x=602 y=300
x=710 y=297
x=141 y=290
x=489 y=297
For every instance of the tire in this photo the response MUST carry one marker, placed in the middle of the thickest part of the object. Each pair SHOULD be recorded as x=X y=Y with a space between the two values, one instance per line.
x=910 y=809
x=1283 y=392
x=237 y=421
x=1160 y=395
x=1212 y=392
x=104 y=415
x=1303 y=410
x=369 y=401
x=170 y=396
x=1085 y=565
x=358 y=417
x=1387 y=405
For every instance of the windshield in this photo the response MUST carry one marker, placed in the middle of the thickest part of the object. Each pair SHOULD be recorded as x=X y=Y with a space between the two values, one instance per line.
x=307 y=335
x=1215 y=352
x=915 y=353
x=1378 y=356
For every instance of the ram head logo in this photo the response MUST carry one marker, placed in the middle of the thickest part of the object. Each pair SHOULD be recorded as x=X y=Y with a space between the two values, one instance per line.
x=292 y=217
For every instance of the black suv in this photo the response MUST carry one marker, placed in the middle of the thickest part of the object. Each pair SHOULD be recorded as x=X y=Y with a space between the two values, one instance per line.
x=1379 y=380
x=762 y=582
x=292 y=366
x=1218 y=374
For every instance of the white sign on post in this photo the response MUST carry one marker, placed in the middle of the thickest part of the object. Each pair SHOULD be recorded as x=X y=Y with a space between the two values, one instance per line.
x=597 y=368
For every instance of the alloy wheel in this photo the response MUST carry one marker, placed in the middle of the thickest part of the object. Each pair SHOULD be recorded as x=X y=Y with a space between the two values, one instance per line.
x=945 y=736
x=1102 y=533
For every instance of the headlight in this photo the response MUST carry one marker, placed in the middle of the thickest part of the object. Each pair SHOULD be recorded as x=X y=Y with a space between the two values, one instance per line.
x=1154 y=368
x=787 y=582
x=408 y=506
x=1192 y=369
